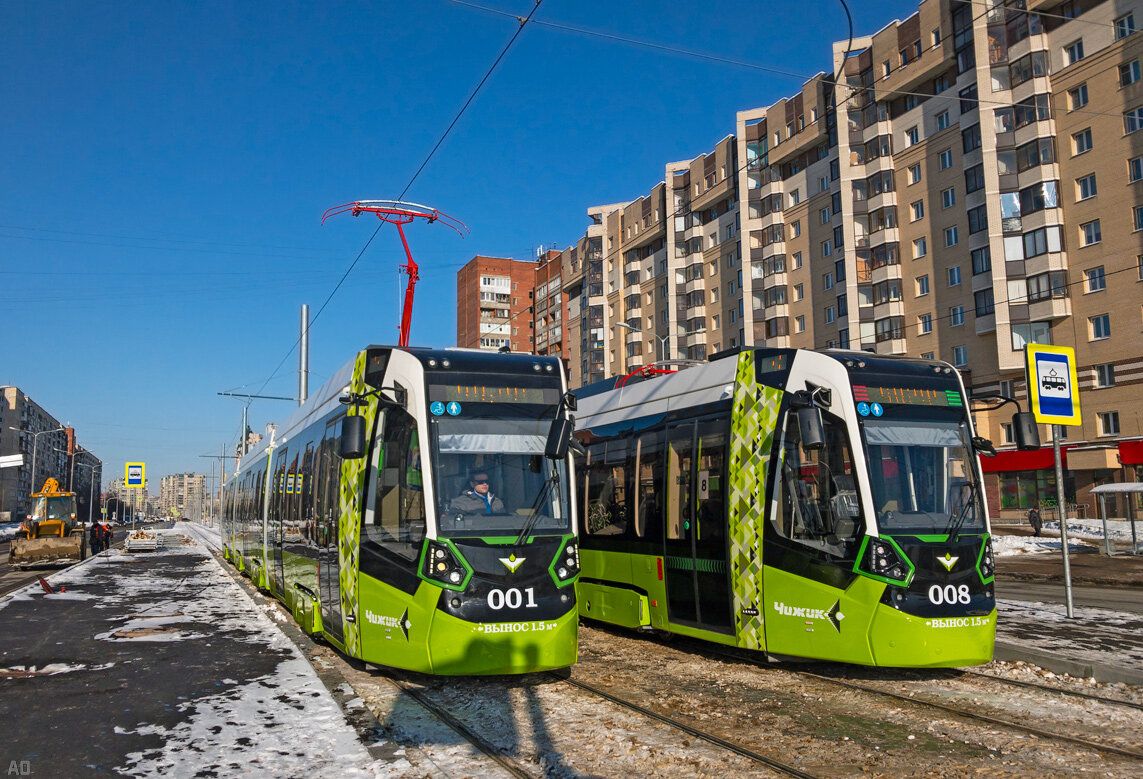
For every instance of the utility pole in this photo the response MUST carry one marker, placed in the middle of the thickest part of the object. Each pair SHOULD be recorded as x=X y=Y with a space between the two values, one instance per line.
x=303 y=359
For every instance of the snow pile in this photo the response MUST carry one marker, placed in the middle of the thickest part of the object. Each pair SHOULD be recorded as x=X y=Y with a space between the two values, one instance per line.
x=8 y=531
x=1012 y=546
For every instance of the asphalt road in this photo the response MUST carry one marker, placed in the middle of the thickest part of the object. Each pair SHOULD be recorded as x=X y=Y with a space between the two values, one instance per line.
x=12 y=579
x=1128 y=599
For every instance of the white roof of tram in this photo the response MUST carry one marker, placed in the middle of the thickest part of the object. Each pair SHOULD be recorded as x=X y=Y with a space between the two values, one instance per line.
x=685 y=389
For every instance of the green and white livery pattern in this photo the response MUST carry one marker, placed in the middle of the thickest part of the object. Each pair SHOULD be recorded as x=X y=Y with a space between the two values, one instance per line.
x=751 y=440
x=352 y=489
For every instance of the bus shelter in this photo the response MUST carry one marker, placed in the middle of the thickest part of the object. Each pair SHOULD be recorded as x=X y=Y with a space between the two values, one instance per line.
x=1129 y=488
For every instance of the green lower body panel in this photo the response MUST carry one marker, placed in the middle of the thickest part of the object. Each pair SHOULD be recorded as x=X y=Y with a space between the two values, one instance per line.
x=617 y=605
x=904 y=640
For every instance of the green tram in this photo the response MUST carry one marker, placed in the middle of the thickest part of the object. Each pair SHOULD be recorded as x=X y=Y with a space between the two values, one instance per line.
x=416 y=512
x=806 y=504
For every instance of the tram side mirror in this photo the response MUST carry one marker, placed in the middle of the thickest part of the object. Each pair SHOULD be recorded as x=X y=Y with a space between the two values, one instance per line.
x=984 y=446
x=1026 y=432
x=570 y=402
x=559 y=437
x=351 y=445
x=811 y=427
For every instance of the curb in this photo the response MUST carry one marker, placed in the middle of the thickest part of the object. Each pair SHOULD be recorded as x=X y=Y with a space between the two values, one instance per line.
x=1101 y=672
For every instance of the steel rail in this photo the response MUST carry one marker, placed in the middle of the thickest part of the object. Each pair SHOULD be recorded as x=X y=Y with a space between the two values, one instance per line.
x=1074 y=693
x=770 y=762
x=505 y=762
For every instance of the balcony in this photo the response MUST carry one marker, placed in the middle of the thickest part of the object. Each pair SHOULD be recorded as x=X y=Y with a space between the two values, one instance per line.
x=1049 y=309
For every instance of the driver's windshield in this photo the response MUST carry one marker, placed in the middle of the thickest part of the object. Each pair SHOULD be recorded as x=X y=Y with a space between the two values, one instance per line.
x=53 y=508
x=491 y=476
x=923 y=476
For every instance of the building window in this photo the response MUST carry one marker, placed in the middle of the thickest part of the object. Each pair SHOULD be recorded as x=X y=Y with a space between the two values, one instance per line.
x=795 y=197
x=830 y=316
x=824 y=215
x=1096 y=280
x=799 y=324
x=912 y=137
x=948 y=197
x=827 y=281
x=984 y=302
x=1099 y=327
x=1006 y=434
x=796 y=229
x=954 y=276
x=1073 y=52
x=960 y=356
x=1124 y=26
x=797 y=260
x=827 y=249
x=956 y=316
x=981 y=260
x=977 y=219
x=925 y=323
x=1108 y=423
x=945 y=159
x=922 y=285
x=1081 y=142
x=952 y=236
x=974 y=179
x=1090 y=233
x=1133 y=120
x=1139 y=266
x=1135 y=169
x=917 y=210
x=1077 y=98
x=1129 y=73
x=1137 y=217
x=920 y=248
x=914 y=173
x=799 y=292
x=1105 y=375
x=1085 y=187
x=943 y=121
x=970 y=138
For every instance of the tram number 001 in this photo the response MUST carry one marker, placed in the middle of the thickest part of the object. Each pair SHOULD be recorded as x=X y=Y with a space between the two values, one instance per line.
x=949 y=593
x=512 y=598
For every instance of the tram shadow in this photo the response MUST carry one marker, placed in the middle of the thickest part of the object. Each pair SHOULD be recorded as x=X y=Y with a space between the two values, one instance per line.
x=515 y=716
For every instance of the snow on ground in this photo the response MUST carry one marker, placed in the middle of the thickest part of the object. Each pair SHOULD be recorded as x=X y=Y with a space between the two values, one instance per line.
x=8 y=530
x=1091 y=636
x=1010 y=546
x=1118 y=530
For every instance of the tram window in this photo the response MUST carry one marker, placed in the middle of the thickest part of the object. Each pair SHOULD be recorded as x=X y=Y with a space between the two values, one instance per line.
x=399 y=506
x=648 y=507
x=328 y=476
x=679 y=456
x=306 y=498
x=817 y=498
x=606 y=481
x=710 y=494
x=278 y=499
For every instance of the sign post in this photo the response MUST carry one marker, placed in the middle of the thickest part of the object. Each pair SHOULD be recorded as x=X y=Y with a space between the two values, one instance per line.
x=1054 y=395
x=134 y=475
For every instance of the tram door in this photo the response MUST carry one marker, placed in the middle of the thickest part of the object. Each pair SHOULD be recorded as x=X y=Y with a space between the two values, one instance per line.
x=328 y=509
x=698 y=591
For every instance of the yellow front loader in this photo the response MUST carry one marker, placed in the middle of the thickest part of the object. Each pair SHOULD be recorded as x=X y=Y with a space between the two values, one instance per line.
x=51 y=534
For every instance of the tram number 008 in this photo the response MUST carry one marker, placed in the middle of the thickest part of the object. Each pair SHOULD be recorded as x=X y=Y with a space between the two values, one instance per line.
x=513 y=598
x=949 y=593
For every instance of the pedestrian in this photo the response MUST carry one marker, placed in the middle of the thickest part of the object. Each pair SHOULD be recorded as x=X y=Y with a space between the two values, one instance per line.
x=107 y=536
x=96 y=535
x=1036 y=521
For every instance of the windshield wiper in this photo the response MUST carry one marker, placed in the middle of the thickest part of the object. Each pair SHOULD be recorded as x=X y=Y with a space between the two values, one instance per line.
x=550 y=482
x=952 y=529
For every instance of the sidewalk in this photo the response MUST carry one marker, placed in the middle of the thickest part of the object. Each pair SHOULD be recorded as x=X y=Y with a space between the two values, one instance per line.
x=160 y=664
x=1099 y=643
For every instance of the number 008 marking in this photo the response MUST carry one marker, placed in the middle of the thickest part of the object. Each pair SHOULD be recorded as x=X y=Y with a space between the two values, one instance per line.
x=949 y=593
x=512 y=598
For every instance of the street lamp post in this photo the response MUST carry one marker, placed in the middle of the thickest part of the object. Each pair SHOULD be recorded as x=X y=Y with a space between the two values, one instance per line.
x=35 y=443
x=662 y=338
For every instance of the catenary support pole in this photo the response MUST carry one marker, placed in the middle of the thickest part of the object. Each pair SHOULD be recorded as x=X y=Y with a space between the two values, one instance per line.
x=304 y=357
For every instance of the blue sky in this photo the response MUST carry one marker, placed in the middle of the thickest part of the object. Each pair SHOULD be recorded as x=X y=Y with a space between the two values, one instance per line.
x=166 y=165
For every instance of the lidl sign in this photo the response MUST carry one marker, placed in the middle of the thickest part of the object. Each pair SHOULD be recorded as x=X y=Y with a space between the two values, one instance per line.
x=1052 y=385
x=134 y=475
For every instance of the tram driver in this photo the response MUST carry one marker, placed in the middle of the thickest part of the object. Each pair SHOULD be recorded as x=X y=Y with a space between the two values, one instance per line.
x=478 y=498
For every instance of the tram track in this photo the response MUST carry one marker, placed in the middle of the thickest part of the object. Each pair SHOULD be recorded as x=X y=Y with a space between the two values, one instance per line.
x=504 y=761
x=1047 y=688
x=710 y=738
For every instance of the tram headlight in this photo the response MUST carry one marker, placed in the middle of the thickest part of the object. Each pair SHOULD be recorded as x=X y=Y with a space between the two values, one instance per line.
x=442 y=565
x=565 y=566
x=987 y=565
x=884 y=560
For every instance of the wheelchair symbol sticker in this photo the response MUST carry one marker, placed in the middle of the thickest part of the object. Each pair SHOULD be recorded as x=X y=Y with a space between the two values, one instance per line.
x=863 y=409
x=437 y=408
x=453 y=408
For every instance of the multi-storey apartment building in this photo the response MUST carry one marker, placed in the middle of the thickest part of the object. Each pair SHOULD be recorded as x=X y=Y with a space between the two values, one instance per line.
x=494 y=304
x=27 y=429
x=550 y=307
x=183 y=494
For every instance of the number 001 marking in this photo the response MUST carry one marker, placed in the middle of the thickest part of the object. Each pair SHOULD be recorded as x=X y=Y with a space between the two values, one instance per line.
x=949 y=593
x=512 y=598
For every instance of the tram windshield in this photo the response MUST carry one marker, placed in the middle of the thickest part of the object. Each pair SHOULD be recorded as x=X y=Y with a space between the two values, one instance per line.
x=492 y=477
x=60 y=508
x=923 y=476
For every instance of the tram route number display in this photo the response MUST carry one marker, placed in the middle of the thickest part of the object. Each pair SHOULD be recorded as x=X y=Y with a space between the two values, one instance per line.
x=513 y=598
x=950 y=594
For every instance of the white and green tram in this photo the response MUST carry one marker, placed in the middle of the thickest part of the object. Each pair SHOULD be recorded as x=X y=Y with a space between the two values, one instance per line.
x=416 y=512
